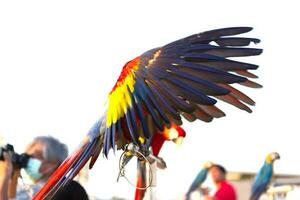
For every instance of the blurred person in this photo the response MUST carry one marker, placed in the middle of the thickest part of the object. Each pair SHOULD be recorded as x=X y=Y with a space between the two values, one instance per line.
x=46 y=154
x=225 y=191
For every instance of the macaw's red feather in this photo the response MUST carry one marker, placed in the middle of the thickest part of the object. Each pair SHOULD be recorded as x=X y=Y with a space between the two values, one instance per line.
x=157 y=143
x=128 y=68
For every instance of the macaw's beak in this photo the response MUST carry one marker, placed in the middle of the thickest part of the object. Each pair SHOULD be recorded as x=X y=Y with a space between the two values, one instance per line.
x=178 y=140
x=275 y=156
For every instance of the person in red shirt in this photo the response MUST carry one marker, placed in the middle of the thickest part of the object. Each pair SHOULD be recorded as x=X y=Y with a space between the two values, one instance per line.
x=225 y=191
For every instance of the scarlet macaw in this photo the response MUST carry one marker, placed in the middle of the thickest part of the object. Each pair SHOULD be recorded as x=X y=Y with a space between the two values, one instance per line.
x=199 y=180
x=182 y=78
x=263 y=177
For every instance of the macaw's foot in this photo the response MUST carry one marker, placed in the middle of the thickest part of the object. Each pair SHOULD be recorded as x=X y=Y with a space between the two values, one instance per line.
x=160 y=163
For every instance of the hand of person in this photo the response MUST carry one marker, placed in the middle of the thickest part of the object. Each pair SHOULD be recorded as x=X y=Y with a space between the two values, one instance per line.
x=6 y=167
x=204 y=191
x=12 y=189
x=6 y=170
x=209 y=198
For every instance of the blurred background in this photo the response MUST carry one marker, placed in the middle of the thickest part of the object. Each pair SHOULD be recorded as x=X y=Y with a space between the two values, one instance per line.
x=59 y=60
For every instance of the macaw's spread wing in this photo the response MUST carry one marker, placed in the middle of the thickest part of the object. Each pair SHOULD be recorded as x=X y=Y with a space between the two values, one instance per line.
x=183 y=78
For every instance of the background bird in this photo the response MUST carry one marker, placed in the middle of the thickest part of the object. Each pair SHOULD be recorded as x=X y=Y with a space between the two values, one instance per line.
x=199 y=180
x=263 y=177
x=156 y=89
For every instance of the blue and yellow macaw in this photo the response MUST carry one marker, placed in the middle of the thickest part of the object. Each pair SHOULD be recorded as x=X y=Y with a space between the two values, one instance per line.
x=263 y=177
x=199 y=180
x=184 y=78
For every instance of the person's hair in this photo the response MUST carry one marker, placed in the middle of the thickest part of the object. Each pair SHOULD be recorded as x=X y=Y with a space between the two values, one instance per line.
x=71 y=191
x=220 y=168
x=54 y=150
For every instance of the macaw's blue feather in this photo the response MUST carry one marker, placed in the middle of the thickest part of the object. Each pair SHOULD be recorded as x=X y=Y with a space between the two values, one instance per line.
x=200 y=178
x=223 y=51
x=113 y=135
x=209 y=36
x=213 y=34
x=155 y=103
x=209 y=73
x=107 y=143
x=261 y=181
x=164 y=102
x=176 y=100
x=205 y=86
x=140 y=88
x=131 y=127
x=218 y=62
x=132 y=116
x=197 y=90
x=140 y=114
x=194 y=94
x=119 y=130
x=235 y=41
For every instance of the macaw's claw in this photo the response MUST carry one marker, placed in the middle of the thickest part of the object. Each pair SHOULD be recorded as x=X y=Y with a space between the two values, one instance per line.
x=160 y=163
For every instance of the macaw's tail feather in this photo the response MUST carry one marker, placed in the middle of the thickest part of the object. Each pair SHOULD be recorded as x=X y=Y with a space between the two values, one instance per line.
x=90 y=148
x=255 y=196
x=188 y=196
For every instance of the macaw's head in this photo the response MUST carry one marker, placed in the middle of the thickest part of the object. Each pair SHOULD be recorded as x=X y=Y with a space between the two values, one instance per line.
x=208 y=165
x=175 y=134
x=272 y=157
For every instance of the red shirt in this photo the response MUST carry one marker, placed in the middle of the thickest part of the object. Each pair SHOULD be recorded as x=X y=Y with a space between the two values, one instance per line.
x=225 y=192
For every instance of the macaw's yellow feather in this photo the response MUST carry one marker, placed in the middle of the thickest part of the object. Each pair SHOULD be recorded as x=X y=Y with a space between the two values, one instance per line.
x=119 y=99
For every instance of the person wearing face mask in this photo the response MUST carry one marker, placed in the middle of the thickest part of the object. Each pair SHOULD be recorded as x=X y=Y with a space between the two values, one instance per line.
x=45 y=155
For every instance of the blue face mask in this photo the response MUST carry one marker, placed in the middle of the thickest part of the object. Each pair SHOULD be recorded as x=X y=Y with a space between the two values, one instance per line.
x=33 y=169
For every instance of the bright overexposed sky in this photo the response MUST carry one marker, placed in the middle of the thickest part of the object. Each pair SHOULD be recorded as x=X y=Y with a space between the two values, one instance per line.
x=59 y=59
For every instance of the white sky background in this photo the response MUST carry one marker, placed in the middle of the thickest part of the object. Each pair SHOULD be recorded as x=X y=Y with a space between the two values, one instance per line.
x=59 y=60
